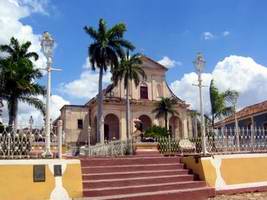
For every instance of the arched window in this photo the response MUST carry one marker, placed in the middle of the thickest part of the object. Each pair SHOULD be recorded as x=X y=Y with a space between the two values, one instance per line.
x=143 y=91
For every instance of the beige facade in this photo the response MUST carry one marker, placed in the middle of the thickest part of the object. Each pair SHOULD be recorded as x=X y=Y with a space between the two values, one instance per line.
x=75 y=123
x=142 y=101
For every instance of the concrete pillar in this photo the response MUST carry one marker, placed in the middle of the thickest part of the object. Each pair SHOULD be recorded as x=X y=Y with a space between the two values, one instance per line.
x=185 y=129
x=190 y=127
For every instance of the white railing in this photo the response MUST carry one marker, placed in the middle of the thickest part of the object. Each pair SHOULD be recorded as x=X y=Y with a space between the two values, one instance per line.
x=218 y=141
x=26 y=143
x=240 y=140
x=111 y=148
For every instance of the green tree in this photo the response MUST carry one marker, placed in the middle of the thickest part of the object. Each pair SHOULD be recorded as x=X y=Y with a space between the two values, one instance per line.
x=129 y=70
x=219 y=101
x=107 y=46
x=164 y=107
x=18 y=78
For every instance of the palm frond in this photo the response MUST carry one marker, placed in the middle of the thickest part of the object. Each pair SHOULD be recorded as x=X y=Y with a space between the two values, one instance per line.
x=116 y=31
x=91 y=31
x=7 y=49
x=33 y=55
x=37 y=103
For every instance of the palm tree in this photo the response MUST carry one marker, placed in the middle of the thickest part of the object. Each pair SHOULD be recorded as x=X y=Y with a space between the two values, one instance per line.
x=129 y=70
x=219 y=102
x=18 y=78
x=108 y=45
x=164 y=107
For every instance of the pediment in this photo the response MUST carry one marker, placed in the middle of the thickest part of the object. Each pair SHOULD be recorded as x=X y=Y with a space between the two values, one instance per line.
x=151 y=64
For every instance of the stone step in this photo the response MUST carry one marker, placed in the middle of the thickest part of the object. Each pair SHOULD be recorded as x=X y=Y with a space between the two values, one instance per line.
x=91 y=184
x=129 y=168
x=98 y=176
x=148 y=155
x=128 y=161
x=201 y=193
x=142 y=188
x=147 y=152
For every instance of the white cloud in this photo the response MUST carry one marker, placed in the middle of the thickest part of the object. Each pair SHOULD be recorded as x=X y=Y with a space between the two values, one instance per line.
x=87 y=64
x=239 y=73
x=11 y=13
x=35 y=6
x=25 y=111
x=185 y=89
x=86 y=86
x=226 y=33
x=169 y=63
x=208 y=36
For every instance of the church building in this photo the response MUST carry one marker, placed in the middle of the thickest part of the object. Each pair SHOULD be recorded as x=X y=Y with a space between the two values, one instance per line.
x=77 y=118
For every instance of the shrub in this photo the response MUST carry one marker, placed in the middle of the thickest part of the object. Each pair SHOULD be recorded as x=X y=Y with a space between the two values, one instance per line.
x=156 y=131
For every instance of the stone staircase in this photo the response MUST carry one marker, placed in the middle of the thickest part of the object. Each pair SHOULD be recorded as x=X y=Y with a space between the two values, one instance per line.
x=145 y=176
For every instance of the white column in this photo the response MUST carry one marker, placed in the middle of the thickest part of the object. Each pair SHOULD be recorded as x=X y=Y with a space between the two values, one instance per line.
x=185 y=128
x=47 y=152
x=203 y=130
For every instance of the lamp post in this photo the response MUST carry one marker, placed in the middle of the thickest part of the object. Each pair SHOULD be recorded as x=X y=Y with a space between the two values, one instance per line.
x=31 y=123
x=199 y=64
x=47 y=44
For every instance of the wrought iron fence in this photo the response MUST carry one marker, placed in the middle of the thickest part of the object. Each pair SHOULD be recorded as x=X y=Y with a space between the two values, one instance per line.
x=109 y=148
x=171 y=146
x=218 y=141
x=25 y=143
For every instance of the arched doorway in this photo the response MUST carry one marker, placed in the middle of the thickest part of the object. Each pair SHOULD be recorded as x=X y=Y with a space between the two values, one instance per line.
x=111 y=127
x=145 y=122
x=175 y=127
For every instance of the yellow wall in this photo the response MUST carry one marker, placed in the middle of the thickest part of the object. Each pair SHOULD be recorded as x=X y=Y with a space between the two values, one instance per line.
x=16 y=183
x=230 y=171
x=72 y=180
x=202 y=168
x=244 y=170
x=16 y=180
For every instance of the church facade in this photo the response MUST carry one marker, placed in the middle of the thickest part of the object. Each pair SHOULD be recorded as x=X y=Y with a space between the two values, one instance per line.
x=77 y=118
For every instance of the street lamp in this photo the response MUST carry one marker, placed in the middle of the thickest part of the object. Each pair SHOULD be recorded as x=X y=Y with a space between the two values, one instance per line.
x=199 y=64
x=31 y=123
x=47 y=44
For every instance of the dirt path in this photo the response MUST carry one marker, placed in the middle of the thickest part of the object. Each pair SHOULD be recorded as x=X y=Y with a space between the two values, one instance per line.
x=245 y=196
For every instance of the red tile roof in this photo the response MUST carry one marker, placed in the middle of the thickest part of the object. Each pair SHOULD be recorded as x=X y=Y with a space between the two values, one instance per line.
x=246 y=112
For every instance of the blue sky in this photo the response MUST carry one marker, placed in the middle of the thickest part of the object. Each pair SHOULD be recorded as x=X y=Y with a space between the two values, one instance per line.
x=158 y=28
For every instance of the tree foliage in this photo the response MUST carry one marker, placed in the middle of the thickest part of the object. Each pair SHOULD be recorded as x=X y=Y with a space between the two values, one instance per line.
x=107 y=47
x=128 y=70
x=164 y=107
x=18 y=77
x=220 y=102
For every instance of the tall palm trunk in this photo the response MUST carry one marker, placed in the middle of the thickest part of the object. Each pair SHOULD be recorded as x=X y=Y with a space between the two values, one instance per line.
x=127 y=110
x=166 y=120
x=12 y=112
x=100 y=118
x=212 y=120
